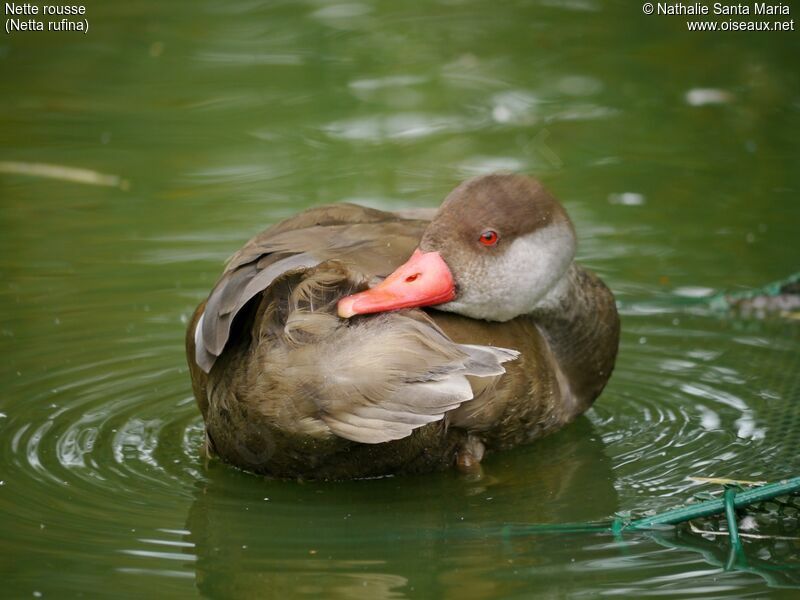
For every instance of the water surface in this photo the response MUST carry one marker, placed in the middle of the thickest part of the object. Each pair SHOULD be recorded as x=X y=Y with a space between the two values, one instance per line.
x=675 y=153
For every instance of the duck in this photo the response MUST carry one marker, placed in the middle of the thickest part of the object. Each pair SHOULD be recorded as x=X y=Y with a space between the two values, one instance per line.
x=349 y=342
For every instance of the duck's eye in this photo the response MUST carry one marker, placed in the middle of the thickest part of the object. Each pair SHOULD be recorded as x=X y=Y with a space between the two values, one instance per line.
x=489 y=237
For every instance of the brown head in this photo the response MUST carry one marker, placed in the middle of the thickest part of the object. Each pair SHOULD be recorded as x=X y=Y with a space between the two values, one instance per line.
x=497 y=248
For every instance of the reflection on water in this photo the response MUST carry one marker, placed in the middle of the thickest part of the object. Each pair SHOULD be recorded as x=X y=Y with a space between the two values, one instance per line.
x=392 y=537
x=681 y=175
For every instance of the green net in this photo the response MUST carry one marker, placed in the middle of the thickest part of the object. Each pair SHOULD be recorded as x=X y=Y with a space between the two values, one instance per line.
x=759 y=522
x=782 y=297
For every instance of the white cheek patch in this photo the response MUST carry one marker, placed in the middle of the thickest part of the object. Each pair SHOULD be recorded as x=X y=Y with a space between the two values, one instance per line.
x=516 y=281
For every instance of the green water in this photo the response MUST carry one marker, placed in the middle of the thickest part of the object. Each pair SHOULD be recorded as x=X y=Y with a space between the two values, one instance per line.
x=220 y=118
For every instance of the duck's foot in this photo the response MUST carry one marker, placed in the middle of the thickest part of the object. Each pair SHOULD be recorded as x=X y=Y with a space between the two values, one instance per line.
x=207 y=451
x=469 y=456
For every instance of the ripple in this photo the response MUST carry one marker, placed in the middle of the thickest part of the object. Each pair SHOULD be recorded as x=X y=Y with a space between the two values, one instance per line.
x=243 y=59
x=394 y=127
x=482 y=165
x=390 y=81
x=627 y=199
x=708 y=96
x=579 y=85
x=676 y=417
x=516 y=107
x=108 y=426
x=573 y=5
x=343 y=10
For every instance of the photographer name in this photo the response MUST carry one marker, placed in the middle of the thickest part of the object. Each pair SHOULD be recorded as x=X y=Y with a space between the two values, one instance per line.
x=718 y=8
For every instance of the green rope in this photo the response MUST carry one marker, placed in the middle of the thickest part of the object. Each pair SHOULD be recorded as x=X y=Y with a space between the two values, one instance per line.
x=715 y=507
x=736 y=555
x=732 y=500
x=730 y=515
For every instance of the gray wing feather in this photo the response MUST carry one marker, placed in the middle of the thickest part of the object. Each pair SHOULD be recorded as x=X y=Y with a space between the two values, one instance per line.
x=413 y=404
x=485 y=361
x=233 y=291
x=390 y=375
x=203 y=358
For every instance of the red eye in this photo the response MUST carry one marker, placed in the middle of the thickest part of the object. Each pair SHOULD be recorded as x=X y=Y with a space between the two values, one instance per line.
x=489 y=237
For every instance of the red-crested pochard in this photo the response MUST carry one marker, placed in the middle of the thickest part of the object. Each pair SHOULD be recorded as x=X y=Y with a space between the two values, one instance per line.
x=313 y=358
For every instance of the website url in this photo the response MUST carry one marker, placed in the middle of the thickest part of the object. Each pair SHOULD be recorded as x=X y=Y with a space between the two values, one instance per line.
x=731 y=25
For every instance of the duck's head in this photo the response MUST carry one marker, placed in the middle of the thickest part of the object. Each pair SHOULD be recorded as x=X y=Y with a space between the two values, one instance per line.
x=497 y=248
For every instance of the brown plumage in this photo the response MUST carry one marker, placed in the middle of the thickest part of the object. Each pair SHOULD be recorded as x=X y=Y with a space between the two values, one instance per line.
x=289 y=389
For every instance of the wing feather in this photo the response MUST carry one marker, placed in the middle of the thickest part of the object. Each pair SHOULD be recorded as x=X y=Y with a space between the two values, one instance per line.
x=228 y=298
